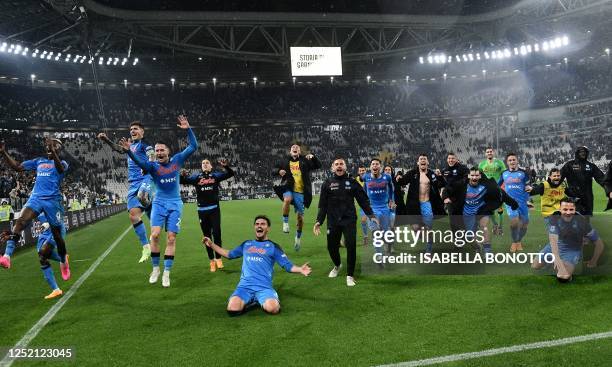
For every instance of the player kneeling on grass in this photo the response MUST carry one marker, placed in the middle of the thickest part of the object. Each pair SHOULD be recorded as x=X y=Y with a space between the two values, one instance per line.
x=565 y=234
x=259 y=256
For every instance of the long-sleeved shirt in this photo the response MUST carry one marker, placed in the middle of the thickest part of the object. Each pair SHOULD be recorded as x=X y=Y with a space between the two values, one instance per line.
x=166 y=175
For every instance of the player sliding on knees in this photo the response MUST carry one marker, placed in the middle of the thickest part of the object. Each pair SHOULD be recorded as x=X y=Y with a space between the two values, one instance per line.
x=167 y=204
x=45 y=198
x=139 y=191
x=207 y=185
x=259 y=256
x=566 y=232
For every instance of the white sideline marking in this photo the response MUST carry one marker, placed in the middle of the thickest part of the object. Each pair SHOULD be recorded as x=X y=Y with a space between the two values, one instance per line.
x=31 y=334
x=495 y=351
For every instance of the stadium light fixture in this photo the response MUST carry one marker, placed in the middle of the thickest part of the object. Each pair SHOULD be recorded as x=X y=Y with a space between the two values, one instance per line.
x=331 y=79
x=607 y=51
x=368 y=78
x=407 y=79
x=135 y=62
x=125 y=83
x=444 y=76
x=25 y=51
x=421 y=59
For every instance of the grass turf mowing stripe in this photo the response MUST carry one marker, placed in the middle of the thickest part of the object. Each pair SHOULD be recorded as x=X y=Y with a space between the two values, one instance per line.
x=496 y=351
x=31 y=334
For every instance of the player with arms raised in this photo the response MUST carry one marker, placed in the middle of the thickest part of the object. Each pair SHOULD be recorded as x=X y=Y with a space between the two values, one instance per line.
x=259 y=256
x=139 y=191
x=45 y=198
x=167 y=204
x=493 y=168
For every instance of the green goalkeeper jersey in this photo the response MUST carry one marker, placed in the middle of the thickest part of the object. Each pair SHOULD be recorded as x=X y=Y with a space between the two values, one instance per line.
x=493 y=169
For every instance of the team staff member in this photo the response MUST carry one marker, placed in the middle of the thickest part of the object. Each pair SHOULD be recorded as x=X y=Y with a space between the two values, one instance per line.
x=6 y=211
x=552 y=191
x=207 y=185
x=296 y=187
x=608 y=186
x=579 y=173
x=454 y=173
x=337 y=203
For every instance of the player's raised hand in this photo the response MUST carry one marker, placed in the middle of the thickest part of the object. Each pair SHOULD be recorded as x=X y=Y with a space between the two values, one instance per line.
x=309 y=156
x=398 y=177
x=207 y=241
x=102 y=136
x=282 y=172
x=124 y=144
x=317 y=229
x=528 y=188
x=437 y=172
x=223 y=162
x=182 y=122
x=184 y=173
x=305 y=269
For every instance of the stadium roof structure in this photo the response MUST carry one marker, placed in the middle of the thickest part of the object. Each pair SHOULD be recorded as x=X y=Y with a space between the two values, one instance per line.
x=266 y=37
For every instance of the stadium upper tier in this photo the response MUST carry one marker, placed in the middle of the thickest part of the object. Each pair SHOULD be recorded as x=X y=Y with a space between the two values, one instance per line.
x=519 y=91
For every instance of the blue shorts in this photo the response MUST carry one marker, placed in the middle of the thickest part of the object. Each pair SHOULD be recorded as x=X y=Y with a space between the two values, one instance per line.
x=522 y=212
x=136 y=187
x=470 y=223
x=167 y=214
x=42 y=239
x=568 y=255
x=427 y=214
x=53 y=209
x=384 y=217
x=298 y=201
x=248 y=295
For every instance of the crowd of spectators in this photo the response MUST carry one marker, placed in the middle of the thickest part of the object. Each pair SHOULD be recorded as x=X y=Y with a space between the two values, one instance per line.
x=427 y=119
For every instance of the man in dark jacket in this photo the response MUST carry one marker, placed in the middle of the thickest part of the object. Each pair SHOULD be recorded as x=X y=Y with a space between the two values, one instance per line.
x=337 y=203
x=295 y=187
x=453 y=173
x=474 y=200
x=579 y=173
x=423 y=199
x=608 y=186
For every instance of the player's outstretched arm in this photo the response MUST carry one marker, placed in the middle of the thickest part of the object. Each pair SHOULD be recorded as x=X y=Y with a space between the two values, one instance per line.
x=220 y=250
x=305 y=269
x=105 y=139
x=9 y=160
x=193 y=141
x=599 y=248
x=145 y=165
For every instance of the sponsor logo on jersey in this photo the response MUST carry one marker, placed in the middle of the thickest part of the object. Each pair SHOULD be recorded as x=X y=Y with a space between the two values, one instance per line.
x=256 y=250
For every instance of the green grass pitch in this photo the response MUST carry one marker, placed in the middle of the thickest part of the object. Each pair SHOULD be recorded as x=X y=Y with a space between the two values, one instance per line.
x=116 y=318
